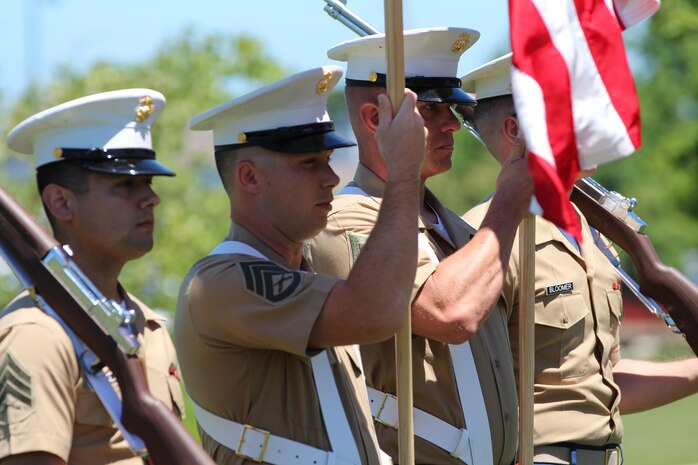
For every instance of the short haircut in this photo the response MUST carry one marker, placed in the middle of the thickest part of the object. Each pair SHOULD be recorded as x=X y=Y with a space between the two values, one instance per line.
x=69 y=176
x=227 y=160
x=65 y=174
x=489 y=112
x=355 y=96
x=225 y=164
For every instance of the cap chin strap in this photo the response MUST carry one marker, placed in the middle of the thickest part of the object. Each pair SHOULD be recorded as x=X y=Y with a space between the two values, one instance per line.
x=411 y=82
x=100 y=154
x=278 y=135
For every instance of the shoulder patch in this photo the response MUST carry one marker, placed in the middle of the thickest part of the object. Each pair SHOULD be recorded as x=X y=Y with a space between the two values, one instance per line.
x=269 y=280
x=15 y=386
x=356 y=243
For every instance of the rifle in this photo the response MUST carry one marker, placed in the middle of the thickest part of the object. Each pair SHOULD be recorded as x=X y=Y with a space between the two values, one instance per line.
x=344 y=15
x=611 y=214
x=45 y=267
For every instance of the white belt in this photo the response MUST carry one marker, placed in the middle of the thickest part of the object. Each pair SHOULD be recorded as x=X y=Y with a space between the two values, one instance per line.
x=469 y=389
x=426 y=426
x=260 y=445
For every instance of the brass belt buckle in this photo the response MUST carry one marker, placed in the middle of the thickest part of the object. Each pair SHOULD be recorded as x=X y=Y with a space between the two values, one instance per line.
x=380 y=410
x=612 y=456
x=263 y=449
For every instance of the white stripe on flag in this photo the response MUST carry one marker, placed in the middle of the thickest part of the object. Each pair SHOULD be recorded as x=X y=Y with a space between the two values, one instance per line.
x=600 y=133
x=533 y=109
x=632 y=12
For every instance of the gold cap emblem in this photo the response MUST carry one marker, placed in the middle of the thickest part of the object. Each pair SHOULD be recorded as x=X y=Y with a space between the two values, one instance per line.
x=461 y=44
x=242 y=137
x=58 y=152
x=144 y=109
x=323 y=84
x=372 y=76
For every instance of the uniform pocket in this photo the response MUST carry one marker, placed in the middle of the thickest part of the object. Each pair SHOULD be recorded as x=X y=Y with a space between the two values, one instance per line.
x=166 y=388
x=176 y=395
x=615 y=303
x=560 y=328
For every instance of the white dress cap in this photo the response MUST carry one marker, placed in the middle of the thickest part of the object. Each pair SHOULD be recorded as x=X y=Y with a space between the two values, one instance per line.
x=489 y=80
x=429 y=53
x=107 y=132
x=289 y=115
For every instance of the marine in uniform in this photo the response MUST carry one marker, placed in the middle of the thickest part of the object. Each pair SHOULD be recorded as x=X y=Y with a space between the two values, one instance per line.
x=95 y=163
x=464 y=388
x=582 y=384
x=266 y=345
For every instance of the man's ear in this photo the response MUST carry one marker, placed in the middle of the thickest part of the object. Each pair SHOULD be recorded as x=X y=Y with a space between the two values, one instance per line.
x=59 y=201
x=368 y=112
x=247 y=176
x=510 y=128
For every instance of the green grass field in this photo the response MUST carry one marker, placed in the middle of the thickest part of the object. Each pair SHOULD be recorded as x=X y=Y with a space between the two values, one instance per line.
x=664 y=436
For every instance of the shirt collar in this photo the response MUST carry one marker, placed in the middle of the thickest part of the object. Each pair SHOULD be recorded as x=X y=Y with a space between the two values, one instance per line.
x=369 y=181
x=238 y=233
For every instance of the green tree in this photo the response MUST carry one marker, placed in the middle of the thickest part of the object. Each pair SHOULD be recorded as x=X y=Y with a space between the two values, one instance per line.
x=663 y=174
x=193 y=73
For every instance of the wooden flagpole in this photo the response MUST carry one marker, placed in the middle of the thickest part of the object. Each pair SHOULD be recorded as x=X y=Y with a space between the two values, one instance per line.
x=527 y=343
x=395 y=77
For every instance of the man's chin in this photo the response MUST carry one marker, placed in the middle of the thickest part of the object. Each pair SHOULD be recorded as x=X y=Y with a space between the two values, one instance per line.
x=137 y=250
x=436 y=168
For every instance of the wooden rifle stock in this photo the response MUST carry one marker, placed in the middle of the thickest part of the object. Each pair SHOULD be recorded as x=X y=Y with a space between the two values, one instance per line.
x=166 y=439
x=671 y=289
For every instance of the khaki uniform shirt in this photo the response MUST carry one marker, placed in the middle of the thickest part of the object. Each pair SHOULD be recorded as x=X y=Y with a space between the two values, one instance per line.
x=47 y=405
x=334 y=250
x=242 y=328
x=576 y=332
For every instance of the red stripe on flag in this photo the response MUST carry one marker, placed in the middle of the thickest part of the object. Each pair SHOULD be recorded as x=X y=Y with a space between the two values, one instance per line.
x=553 y=197
x=536 y=55
x=603 y=34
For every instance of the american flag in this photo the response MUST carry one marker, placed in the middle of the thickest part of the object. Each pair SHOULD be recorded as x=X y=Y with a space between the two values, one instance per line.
x=574 y=92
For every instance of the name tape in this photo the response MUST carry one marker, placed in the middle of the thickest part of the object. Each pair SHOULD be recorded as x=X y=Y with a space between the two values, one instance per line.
x=559 y=288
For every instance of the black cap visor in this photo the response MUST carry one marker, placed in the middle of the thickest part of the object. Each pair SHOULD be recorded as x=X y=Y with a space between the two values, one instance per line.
x=314 y=137
x=428 y=89
x=126 y=167
x=126 y=162
x=445 y=95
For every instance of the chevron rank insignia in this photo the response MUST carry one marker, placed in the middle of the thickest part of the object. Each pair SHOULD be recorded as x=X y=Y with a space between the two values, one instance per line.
x=269 y=280
x=16 y=385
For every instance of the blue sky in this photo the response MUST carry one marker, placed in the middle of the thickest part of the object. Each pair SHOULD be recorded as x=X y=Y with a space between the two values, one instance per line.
x=38 y=35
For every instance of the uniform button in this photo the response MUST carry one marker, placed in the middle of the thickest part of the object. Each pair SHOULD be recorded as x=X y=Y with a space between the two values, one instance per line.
x=506 y=418
x=497 y=364
x=565 y=319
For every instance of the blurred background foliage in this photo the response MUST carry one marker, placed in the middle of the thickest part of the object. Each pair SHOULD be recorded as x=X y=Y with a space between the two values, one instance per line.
x=196 y=72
